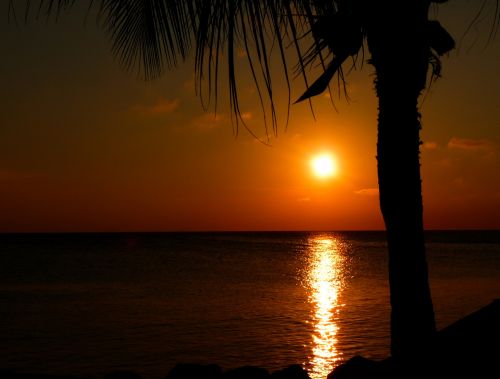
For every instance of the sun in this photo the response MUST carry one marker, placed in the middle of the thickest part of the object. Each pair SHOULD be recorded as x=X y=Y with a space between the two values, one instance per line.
x=324 y=165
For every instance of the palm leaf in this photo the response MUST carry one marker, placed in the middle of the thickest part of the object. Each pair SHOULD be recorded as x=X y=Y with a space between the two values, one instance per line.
x=322 y=83
x=439 y=39
x=151 y=36
x=45 y=8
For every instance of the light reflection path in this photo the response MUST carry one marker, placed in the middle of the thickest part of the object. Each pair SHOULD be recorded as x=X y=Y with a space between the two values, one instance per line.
x=325 y=284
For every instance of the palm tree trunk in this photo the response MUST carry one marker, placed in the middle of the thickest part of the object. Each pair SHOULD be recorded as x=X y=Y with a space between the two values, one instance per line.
x=412 y=319
x=400 y=56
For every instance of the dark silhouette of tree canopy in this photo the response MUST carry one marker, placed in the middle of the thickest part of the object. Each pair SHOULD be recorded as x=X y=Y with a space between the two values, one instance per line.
x=397 y=37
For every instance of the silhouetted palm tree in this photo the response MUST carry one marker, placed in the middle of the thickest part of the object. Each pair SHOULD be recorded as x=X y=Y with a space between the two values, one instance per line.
x=153 y=35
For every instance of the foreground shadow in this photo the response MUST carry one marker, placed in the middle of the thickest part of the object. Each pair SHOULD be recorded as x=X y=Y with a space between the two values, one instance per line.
x=468 y=348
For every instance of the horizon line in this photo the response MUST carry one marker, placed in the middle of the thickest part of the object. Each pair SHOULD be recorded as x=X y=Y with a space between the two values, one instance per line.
x=186 y=231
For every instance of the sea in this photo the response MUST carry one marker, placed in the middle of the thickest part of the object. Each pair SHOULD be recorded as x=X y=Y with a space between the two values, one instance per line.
x=89 y=304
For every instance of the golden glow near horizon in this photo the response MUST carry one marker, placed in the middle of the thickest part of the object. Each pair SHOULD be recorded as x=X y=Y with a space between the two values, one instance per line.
x=324 y=165
x=325 y=286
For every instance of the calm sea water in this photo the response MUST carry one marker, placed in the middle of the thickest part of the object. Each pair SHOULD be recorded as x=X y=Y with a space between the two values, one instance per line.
x=88 y=304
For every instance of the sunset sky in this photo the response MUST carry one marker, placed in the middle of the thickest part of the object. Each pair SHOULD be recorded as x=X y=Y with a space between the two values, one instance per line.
x=87 y=146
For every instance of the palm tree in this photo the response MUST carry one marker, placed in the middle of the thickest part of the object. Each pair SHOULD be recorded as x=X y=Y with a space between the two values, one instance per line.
x=154 y=35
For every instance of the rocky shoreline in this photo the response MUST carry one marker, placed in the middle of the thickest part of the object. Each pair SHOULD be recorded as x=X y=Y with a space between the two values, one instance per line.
x=186 y=371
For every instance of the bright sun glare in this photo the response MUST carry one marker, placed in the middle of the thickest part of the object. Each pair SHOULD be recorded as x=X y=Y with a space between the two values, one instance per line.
x=324 y=165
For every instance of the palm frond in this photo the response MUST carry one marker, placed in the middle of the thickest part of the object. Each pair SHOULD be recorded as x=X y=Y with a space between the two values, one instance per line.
x=321 y=84
x=223 y=27
x=44 y=8
x=439 y=39
x=149 y=34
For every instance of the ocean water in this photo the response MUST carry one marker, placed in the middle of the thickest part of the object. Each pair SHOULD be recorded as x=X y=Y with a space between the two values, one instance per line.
x=88 y=304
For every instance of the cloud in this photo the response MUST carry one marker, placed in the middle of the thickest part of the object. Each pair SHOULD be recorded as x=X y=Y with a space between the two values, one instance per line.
x=162 y=106
x=469 y=144
x=247 y=115
x=210 y=120
x=304 y=199
x=367 y=192
x=430 y=145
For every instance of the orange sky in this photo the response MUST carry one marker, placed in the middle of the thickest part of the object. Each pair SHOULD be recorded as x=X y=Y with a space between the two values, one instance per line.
x=85 y=146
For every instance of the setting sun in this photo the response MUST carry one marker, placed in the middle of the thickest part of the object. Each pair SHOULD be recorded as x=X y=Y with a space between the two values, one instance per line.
x=324 y=165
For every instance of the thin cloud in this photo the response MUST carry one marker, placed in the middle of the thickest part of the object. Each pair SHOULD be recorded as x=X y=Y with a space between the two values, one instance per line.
x=247 y=115
x=469 y=144
x=162 y=106
x=430 y=145
x=367 y=192
x=210 y=120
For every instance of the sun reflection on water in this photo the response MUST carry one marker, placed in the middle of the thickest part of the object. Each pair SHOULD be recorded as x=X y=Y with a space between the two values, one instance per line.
x=325 y=284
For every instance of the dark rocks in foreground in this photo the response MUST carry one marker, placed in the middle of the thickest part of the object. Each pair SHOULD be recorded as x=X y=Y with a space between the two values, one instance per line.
x=14 y=375
x=190 y=370
x=291 y=372
x=194 y=371
x=470 y=347
x=246 y=372
x=187 y=371
x=467 y=349
x=122 y=374
x=359 y=367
